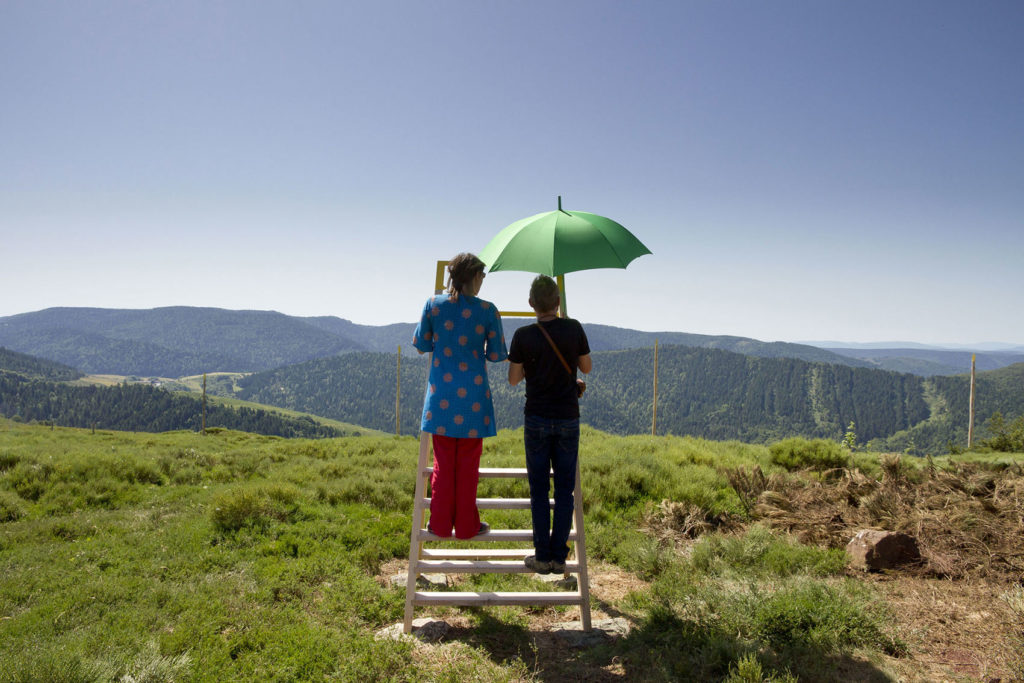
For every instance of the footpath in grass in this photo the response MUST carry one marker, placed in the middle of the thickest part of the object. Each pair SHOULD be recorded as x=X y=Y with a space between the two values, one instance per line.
x=230 y=556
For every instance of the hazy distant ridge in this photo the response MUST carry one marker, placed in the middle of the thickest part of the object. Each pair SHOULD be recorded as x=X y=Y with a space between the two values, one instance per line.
x=181 y=340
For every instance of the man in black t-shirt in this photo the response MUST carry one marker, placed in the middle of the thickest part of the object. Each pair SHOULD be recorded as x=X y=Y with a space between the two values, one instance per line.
x=547 y=356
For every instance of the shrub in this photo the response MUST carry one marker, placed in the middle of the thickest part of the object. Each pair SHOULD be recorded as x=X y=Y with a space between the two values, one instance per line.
x=7 y=460
x=750 y=670
x=10 y=507
x=29 y=479
x=809 y=614
x=382 y=495
x=764 y=553
x=1006 y=438
x=799 y=453
x=50 y=663
x=253 y=508
x=135 y=470
x=149 y=666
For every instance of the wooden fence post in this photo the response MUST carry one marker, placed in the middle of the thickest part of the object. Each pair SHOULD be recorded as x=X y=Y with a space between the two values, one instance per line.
x=654 y=417
x=970 y=419
x=398 y=393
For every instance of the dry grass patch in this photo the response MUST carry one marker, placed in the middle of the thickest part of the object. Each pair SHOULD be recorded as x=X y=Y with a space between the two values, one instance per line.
x=956 y=630
x=968 y=519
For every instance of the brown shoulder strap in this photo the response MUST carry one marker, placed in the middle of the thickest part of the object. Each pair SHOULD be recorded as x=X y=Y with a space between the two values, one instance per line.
x=557 y=352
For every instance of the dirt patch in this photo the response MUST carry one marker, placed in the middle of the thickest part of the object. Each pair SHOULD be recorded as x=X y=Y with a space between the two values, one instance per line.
x=956 y=630
x=968 y=520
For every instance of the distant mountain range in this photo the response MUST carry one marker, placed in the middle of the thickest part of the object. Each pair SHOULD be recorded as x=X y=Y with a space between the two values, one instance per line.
x=178 y=341
x=974 y=348
x=928 y=361
x=719 y=387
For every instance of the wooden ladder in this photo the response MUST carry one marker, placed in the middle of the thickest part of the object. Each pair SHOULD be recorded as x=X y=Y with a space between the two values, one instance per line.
x=488 y=561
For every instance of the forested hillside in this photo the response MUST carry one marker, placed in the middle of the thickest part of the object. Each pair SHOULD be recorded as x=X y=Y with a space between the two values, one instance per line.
x=361 y=386
x=930 y=362
x=999 y=391
x=702 y=392
x=722 y=395
x=168 y=342
x=137 y=407
x=32 y=367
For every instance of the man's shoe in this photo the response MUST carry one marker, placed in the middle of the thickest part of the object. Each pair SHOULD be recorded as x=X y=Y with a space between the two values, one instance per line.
x=484 y=528
x=557 y=567
x=538 y=566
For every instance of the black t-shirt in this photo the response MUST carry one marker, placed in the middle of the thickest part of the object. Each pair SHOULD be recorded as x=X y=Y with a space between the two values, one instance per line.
x=550 y=389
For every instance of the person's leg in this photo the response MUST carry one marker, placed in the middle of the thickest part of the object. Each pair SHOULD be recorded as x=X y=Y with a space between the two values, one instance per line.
x=467 y=476
x=442 y=486
x=538 y=464
x=565 y=451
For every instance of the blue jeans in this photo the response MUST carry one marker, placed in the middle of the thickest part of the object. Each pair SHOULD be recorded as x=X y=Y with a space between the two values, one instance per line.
x=551 y=445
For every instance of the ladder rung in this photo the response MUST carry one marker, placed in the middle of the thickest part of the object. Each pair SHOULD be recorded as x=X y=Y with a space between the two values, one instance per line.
x=483 y=566
x=492 y=535
x=475 y=553
x=492 y=472
x=497 y=598
x=501 y=503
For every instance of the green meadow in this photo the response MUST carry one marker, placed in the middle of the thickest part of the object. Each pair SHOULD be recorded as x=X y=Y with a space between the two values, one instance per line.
x=236 y=557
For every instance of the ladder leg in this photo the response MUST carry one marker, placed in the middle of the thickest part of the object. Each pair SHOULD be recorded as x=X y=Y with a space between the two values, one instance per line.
x=415 y=546
x=581 y=552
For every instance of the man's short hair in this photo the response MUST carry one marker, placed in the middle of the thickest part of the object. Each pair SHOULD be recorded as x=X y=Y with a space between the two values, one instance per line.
x=544 y=294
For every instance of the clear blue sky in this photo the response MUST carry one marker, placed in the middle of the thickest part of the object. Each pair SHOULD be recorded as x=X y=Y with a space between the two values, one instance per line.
x=800 y=169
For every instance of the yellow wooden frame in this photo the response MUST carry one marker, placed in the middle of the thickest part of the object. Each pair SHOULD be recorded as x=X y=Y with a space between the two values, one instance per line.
x=439 y=288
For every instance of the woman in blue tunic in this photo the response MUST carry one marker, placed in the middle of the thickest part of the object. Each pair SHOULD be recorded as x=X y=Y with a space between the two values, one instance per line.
x=464 y=332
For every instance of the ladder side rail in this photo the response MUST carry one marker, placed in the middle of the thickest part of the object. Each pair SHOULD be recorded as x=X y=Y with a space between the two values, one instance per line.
x=415 y=544
x=581 y=552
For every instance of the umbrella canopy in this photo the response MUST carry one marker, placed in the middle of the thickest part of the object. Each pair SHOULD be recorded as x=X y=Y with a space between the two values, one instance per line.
x=559 y=242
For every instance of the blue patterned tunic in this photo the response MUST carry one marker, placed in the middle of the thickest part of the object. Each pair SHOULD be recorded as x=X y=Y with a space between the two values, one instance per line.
x=462 y=334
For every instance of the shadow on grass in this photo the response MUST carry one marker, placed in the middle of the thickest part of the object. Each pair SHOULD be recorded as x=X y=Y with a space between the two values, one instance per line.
x=662 y=648
x=546 y=655
x=666 y=648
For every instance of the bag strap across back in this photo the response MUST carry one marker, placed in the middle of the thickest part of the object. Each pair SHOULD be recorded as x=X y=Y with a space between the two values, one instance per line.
x=553 y=346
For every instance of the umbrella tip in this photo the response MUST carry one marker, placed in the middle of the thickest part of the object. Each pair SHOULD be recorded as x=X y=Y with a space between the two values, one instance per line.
x=559 y=202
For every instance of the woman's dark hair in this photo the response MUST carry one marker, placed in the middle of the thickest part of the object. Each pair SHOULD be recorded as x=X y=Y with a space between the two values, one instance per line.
x=544 y=295
x=461 y=271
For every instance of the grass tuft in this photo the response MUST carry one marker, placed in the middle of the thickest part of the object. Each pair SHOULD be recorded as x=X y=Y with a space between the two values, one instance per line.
x=763 y=553
x=800 y=453
x=253 y=507
x=10 y=507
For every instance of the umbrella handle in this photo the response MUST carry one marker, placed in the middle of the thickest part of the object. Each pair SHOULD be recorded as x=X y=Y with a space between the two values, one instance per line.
x=561 y=292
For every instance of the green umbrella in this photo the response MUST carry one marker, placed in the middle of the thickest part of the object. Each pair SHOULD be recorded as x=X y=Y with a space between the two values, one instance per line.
x=559 y=242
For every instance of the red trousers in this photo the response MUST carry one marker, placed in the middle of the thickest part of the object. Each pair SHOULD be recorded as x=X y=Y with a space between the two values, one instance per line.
x=453 y=486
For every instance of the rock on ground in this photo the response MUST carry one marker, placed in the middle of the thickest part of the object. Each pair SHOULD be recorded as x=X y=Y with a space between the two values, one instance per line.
x=602 y=630
x=874 y=550
x=426 y=629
